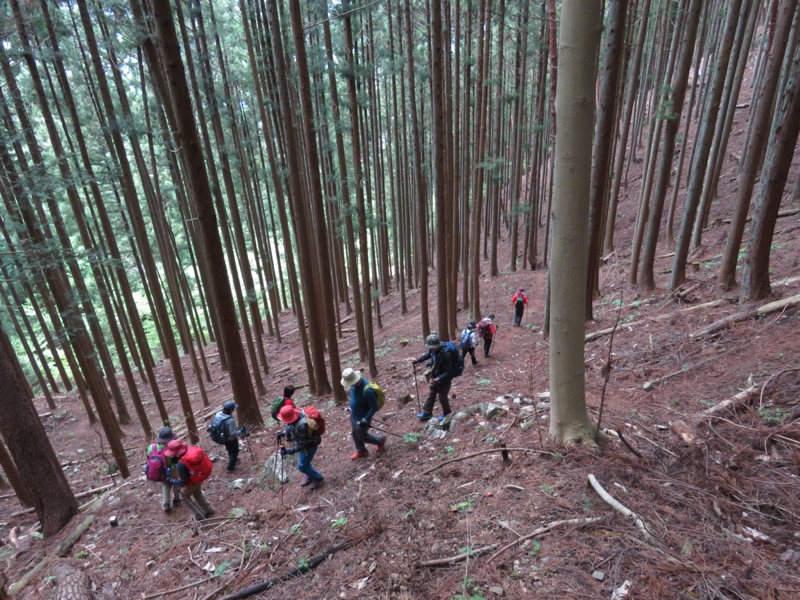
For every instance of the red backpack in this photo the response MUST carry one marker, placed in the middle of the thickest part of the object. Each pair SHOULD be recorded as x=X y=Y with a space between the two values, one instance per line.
x=155 y=469
x=486 y=329
x=198 y=463
x=312 y=414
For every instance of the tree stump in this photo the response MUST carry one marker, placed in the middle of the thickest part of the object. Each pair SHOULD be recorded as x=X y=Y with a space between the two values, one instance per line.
x=71 y=583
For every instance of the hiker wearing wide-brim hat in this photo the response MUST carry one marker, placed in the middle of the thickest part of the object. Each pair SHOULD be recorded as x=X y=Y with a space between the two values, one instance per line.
x=305 y=443
x=192 y=468
x=363 y=406
x=169 y=495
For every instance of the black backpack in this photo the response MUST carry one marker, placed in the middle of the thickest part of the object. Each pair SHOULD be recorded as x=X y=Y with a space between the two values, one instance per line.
x=520 y=302
x=458 y=361
x=216 y=430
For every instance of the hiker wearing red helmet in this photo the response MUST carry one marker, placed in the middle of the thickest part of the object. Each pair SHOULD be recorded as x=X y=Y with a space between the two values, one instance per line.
x=519 y=301
x=305 y=441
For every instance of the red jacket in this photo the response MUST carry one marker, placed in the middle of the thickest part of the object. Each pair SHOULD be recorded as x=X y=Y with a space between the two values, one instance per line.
x=514 y=298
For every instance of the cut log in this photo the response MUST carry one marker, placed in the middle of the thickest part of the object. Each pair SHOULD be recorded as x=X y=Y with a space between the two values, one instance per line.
x=772 y=307
x=723 y=323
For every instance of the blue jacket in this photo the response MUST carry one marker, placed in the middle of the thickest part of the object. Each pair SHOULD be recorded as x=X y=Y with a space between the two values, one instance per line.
x=363 y=401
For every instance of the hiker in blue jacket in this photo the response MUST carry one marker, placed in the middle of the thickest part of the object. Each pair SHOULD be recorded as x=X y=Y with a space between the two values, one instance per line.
x=441 y=370
x=363 y=406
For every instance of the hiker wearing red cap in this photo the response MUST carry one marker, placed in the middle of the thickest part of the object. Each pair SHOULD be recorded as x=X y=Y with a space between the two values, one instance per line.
x=519 y=301
x=193 y=467
x=305 y=441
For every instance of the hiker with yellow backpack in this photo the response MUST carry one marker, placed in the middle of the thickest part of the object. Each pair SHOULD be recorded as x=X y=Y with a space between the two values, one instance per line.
x=365 y=400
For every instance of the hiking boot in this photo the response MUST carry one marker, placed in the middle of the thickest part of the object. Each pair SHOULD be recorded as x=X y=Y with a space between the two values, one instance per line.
x=381 y=444
x=210 y=511
x=441 y=418
x=424 y=416
x=167 y=508
x=316 y=483
x=176 y=501
x=307 y=481
x=357 y=455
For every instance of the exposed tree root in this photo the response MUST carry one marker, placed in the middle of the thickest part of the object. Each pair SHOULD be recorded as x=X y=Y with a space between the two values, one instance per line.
x=546 y=529
x=452 y=460
x=314 y=562
x=441 y=562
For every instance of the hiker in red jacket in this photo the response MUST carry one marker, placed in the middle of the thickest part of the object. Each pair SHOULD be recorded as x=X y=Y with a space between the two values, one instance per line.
x=487 y=329
x=519 y=301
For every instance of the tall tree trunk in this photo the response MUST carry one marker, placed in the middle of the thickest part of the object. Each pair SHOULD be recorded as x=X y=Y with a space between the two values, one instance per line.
x=579 y=41
x=782 y=145
x=178 y=91
x=703 y=146
x=758 y=135
x=604 y=139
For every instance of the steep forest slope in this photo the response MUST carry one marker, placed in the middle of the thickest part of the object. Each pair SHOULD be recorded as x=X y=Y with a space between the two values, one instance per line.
x=718 y=493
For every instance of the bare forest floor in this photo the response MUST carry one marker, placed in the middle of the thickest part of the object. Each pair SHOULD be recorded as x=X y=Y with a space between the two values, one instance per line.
x=721 y=503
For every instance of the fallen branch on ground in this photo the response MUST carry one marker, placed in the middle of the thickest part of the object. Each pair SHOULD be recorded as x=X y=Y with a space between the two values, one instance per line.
x=77 y=496
x=314 y=562
x=657 y=319
x=752 y=313
x=621 y=508
x=72 y=538
x=180 y=589
x=741 y=398
x=649 y=385
x=545 y=529
x=59 y=550
x=441 y=562
x=452 y=460
x=775 y=377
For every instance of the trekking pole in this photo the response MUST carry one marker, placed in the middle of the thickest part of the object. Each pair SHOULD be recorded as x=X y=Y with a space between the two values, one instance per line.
x=416 y=384
x=283 y=473
x=385 y=431
x=249 y=449
x=195 y=508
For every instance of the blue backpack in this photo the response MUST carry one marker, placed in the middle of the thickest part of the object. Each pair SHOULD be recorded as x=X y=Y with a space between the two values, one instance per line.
x=466 y=339
x=458 y=363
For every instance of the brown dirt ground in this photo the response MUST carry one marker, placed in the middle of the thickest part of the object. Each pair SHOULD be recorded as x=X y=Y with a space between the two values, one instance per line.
x=703 y=500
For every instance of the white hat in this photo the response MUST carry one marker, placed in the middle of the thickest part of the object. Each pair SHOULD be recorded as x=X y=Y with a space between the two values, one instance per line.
x=350 y=377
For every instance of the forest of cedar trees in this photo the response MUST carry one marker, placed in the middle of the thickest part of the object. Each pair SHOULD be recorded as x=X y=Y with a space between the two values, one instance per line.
x=207 y=200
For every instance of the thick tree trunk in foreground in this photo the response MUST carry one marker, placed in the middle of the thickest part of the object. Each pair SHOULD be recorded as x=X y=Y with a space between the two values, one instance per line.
x=579 y=40
x=33 y=455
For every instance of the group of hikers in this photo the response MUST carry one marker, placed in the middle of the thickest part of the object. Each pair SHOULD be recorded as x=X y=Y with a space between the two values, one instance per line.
x=181 y=469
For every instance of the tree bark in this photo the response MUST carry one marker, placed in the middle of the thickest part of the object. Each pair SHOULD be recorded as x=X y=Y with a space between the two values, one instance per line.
x=34 y=457
x=579 y=40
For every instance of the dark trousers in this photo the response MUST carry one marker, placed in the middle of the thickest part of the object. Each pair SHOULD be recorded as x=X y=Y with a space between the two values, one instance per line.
x=361 y=435
x=232 y=446
x=487 y=343
x=440 y=391
x=518 y=312
x=471 y=352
